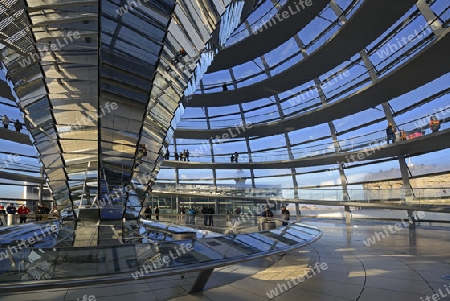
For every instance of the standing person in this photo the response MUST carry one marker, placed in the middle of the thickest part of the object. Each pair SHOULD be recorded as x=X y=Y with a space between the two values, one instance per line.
x=2 y=214
x=390 y=133
x=157 y=213
x=17 y=125
x=167 y=156
x=187 y=216
x=236 y=156
x=182 y=212
x=435 y=124
x=267 y=212
x=205 y=215
x=5 y=121
x=11 y=210
x=402 y=135
x=181 y=156
x=55 y=212
x=285 y=215
x=148 y=212
x=23 y=211
x=39 y=211
x=192 y=212
x=46 y=211
x=232 y=158
x=176 y=156
x=211 y=213
x=186 y=154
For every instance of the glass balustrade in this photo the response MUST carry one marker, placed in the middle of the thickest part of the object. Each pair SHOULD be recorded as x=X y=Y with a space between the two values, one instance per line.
x=362 y=142
x=415 y=196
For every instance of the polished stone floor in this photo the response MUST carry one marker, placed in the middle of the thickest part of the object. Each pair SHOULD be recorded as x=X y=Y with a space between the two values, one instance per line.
x=362 y=262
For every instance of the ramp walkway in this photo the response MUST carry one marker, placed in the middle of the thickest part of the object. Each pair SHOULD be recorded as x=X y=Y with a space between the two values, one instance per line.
x=378 y=15
x=425 y=144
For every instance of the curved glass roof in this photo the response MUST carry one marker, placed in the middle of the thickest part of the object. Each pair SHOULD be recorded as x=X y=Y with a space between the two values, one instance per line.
x=398 y=45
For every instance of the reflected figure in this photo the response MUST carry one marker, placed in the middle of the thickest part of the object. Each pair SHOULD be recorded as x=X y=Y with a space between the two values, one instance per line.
x=412 y=237
x=349 y=229
x=157 y=213
x=148 y=212
x=2 y=215
x=23 y=211
x=285 y=215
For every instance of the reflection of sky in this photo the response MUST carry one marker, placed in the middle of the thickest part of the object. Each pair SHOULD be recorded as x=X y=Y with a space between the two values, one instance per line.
x=18 y=153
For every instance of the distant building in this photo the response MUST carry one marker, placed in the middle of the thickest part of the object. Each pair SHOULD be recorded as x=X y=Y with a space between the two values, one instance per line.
x=31 y=192
x=430 y=181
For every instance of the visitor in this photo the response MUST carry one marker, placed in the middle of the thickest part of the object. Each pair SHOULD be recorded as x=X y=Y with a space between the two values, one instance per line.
x=180 y=216
x=23 y=211
x=18 y=125
x=191 y=215
x=232 y=158
x=176 y=156
x=390 y=133
x=11 y=210
x=5 y=121
x=55 y=212
x=2 y=214
x=205 y=215
x=39 y=211
x=402 y=135
x=157 y=213
x=435 y=124
x=211 y=213
x=267 y=212
x=148 y=212
x=46 y=211
x=285 y=215
x=236 y=155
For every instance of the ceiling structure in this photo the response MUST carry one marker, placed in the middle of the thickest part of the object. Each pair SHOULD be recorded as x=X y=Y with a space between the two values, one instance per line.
x=297 y=106
x=107 y=87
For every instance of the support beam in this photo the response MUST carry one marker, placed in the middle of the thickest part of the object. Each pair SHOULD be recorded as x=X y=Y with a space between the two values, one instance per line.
x=324 y=101
x=412 y=219
x=409 y=193
x=348 y=215
x=201 y=280
x=247 y=142
x=430 y=17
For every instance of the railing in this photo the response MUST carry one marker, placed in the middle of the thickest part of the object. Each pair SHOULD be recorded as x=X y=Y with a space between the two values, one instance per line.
x=368 y=141
x=417 y=196
x=31 y=217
